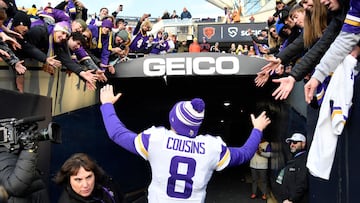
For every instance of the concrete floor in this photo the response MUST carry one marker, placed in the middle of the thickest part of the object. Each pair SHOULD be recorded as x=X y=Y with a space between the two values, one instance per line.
x=232 y=185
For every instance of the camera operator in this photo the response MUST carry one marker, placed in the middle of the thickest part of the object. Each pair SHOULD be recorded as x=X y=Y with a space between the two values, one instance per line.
x=18 y=159
x=19 y=176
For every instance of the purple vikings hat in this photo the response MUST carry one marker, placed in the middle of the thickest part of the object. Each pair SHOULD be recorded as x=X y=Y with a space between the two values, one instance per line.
x=186 y=117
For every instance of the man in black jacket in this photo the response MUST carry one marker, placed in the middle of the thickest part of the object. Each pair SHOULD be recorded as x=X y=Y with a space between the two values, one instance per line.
x=292 y=181
x=19 y=176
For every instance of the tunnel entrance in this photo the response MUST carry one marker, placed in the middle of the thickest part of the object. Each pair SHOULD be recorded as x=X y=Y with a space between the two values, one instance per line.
x=229 y=102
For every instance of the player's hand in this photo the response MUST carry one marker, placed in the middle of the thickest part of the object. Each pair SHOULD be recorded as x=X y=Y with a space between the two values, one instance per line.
x=261 y=121
x=107 y=95
x=285 y=88
x=309 y=89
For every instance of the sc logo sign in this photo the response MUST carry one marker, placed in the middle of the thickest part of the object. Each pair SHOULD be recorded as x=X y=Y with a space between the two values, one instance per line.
x=233 y=31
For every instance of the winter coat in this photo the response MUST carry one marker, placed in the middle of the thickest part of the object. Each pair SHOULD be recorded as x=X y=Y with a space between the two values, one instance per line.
x=20 y=178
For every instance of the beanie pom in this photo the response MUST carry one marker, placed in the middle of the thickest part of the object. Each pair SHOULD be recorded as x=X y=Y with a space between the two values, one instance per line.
x=198 y=104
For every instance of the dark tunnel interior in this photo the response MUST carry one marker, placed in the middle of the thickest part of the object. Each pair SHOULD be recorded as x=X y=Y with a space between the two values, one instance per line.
x=229 y=102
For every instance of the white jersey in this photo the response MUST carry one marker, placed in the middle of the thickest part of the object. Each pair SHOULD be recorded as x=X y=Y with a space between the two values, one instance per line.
x=332 y=118
x=181 y=166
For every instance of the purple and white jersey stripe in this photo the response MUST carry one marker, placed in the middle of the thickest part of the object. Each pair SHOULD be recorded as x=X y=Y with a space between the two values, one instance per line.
x=352 y=20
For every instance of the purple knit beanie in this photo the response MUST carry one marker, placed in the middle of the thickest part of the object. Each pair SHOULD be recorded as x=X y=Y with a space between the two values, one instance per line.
x=186 y=117
x=63 y=26
x=107 y=23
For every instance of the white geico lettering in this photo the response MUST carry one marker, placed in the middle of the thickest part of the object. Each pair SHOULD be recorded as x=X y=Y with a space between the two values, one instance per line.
x=224 y=65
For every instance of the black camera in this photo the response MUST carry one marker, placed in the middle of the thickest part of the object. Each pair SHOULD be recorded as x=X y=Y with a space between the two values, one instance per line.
x=122 y=46
x=14 y=131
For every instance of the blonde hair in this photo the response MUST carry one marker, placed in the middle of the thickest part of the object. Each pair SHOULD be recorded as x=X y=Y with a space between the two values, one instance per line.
x=274 y=42
x=314 y=24
x=146 y=23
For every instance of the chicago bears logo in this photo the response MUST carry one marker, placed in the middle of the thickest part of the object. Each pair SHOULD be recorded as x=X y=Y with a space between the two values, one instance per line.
x=209 y=32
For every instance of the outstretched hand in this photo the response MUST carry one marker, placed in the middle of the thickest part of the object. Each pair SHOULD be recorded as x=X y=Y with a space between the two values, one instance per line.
x=101 y=75
x=261 y=121
x=264 y=74
x=285 y=88
x=110 y=68
x=273 y=64
x=89 y=76
x=261 y=78
x=20 y=68
x=15 y=45
x=107 y=95
x=4 y=53
x=52 y=61
x=309 y=89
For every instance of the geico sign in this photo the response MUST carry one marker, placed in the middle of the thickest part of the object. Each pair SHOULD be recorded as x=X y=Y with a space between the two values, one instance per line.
x=224 y=65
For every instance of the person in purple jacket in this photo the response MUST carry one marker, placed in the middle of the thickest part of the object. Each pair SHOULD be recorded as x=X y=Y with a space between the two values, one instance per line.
x=140 y=37
x=103 y=36
x=51 y=16
x=182 y=161
x=161 y=46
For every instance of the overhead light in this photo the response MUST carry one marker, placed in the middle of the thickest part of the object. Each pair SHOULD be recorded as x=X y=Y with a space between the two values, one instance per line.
x=227 y=103
x=222 y=121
